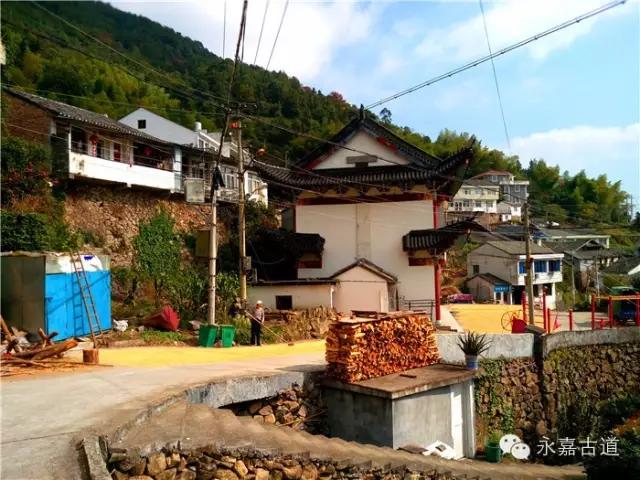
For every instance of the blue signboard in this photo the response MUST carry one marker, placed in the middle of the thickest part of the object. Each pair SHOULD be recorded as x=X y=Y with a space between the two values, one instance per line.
x=502 y=288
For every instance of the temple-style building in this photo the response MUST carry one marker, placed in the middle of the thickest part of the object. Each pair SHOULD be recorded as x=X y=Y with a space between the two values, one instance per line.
x=374 y=203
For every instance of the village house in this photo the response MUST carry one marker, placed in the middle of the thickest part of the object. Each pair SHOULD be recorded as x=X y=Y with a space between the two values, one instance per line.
x=93 y=147
x=377 y=203
x=496 y=272
x=475 y=196
x=587 y=258
x=512 y=190
x=153 y=124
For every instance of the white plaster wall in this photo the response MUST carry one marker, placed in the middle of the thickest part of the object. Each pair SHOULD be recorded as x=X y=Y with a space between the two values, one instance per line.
x=304 y=296
x=360 y=289
x=372 y=231
x=364 y=142
x=160 y=127
x=94 y=167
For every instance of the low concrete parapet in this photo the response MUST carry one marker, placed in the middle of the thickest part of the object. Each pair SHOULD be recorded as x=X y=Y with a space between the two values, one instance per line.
x=613 y=336
x=503 y=345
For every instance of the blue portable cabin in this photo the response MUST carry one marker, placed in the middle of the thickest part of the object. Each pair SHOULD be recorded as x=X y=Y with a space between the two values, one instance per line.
x=41 y=290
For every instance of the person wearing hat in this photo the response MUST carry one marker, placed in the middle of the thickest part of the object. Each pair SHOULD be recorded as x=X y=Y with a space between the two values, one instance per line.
x=257 y=319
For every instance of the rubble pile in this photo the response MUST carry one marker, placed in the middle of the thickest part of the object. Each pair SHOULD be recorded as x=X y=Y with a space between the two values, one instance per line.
x=306 y=324
x=359 y=348
x=297 y=407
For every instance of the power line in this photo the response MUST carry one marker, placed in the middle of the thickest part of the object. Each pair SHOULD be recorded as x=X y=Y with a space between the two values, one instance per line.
x=495 y=76
x=284 y=12
x=264 y=17
x=486 y=58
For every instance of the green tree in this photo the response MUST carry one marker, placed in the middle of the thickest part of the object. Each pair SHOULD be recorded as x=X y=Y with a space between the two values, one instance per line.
x=157 y=250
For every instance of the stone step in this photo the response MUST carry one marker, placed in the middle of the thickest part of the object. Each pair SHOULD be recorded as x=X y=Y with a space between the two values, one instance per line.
x=196 y=425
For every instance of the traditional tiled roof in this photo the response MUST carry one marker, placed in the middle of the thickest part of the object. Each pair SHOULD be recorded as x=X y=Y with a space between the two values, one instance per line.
x=493 y=172
x=513 y=247
x=367 y=265
x=439 y=239
x=364 y=123
x=489 y=277
x=445 y=175
x=623 y=266
x=87 y=117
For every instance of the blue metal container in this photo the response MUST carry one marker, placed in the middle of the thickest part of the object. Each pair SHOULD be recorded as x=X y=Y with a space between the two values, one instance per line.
x=41 y=290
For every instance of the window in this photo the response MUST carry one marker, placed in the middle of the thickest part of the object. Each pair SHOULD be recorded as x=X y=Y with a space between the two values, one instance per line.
x=476 y=269
x=478 y=204
x=522 y=269
x=516 y=188
x=142 y=124
x=117 y=152
x=554 y=265
x=284 y=302
x=467 y=191
x=466 y=203
x=494 y=178
x=103 y=150
x=478 y=191
x=540 y=266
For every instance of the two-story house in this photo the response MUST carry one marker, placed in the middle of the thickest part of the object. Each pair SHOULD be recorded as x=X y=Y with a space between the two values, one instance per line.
x=90 y=145
x=201 y=140
x=475 y=196
x=513 y=191
x=376 y=201
x=496 y=272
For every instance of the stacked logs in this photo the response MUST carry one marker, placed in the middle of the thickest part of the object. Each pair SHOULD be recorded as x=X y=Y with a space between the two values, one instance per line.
x=360 y=348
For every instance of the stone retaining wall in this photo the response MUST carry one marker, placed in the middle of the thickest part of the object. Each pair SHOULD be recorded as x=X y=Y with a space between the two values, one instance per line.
x=557 y=394
x=213 y=463
x=300 y=408
x=112 y=215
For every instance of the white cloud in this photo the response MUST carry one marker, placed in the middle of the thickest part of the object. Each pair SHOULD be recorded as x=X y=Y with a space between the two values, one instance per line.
x=511 y=21
x=614 y=151
x=311 y=33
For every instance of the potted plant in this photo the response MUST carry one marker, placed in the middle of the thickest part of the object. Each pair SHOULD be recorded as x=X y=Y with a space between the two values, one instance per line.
x=492 y=450
x=473 y=344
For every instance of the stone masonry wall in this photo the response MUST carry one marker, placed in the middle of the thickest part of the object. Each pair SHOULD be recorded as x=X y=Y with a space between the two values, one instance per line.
x=533 y=398
x=212 y=463
x=112 y=214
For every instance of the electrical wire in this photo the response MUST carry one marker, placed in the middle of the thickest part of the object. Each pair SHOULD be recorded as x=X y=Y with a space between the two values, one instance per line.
x=495 y=76
x=275 y=41
x=264 y=17
x=508 y=49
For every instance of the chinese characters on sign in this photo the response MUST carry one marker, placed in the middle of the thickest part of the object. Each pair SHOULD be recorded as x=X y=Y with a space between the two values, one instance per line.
x=568 y=447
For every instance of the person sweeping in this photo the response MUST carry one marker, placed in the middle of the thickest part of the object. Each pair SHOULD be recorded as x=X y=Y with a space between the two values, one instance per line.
x=257 y=319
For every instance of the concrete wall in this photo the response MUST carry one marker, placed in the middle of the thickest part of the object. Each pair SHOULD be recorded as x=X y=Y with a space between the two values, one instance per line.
x=360 y=289
x=366 y=143
x=304 y=296
x=372 y=231
x=160 y=127
x=589 y=337
x=502 y=345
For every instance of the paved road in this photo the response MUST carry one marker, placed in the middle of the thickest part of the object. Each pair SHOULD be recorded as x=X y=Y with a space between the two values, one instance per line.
x=43 y=417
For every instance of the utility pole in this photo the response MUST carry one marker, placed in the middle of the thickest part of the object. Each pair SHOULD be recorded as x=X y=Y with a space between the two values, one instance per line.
x=213 y=242
x=528 y=263
x=241 y=220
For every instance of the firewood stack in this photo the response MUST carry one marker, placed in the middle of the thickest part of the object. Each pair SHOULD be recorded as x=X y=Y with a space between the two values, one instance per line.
x=361 y=348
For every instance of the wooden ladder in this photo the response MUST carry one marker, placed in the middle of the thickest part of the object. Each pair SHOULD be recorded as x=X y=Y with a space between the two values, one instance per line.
x=87 y=296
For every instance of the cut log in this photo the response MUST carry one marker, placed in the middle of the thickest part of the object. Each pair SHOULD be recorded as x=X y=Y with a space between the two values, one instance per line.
x=11 y=338
x=91 y=355
x=379 y=344
x=46 y=352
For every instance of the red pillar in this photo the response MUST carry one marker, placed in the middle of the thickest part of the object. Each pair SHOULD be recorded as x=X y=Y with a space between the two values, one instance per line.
x=593 y=312
x=549 y=326
x=570 y=320
x=436 y=263
x=638 y=312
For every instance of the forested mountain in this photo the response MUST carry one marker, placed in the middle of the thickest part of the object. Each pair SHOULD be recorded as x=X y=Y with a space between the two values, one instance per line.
x=137 y=62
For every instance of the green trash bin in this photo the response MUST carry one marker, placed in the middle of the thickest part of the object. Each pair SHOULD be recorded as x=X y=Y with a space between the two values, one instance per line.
x=207 y=335
x=227 y=334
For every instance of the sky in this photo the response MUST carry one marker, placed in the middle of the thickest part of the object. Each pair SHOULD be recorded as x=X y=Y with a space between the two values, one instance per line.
x=571 y=98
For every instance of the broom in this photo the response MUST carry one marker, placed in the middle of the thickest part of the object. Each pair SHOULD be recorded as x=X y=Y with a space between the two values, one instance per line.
x=280 y=337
